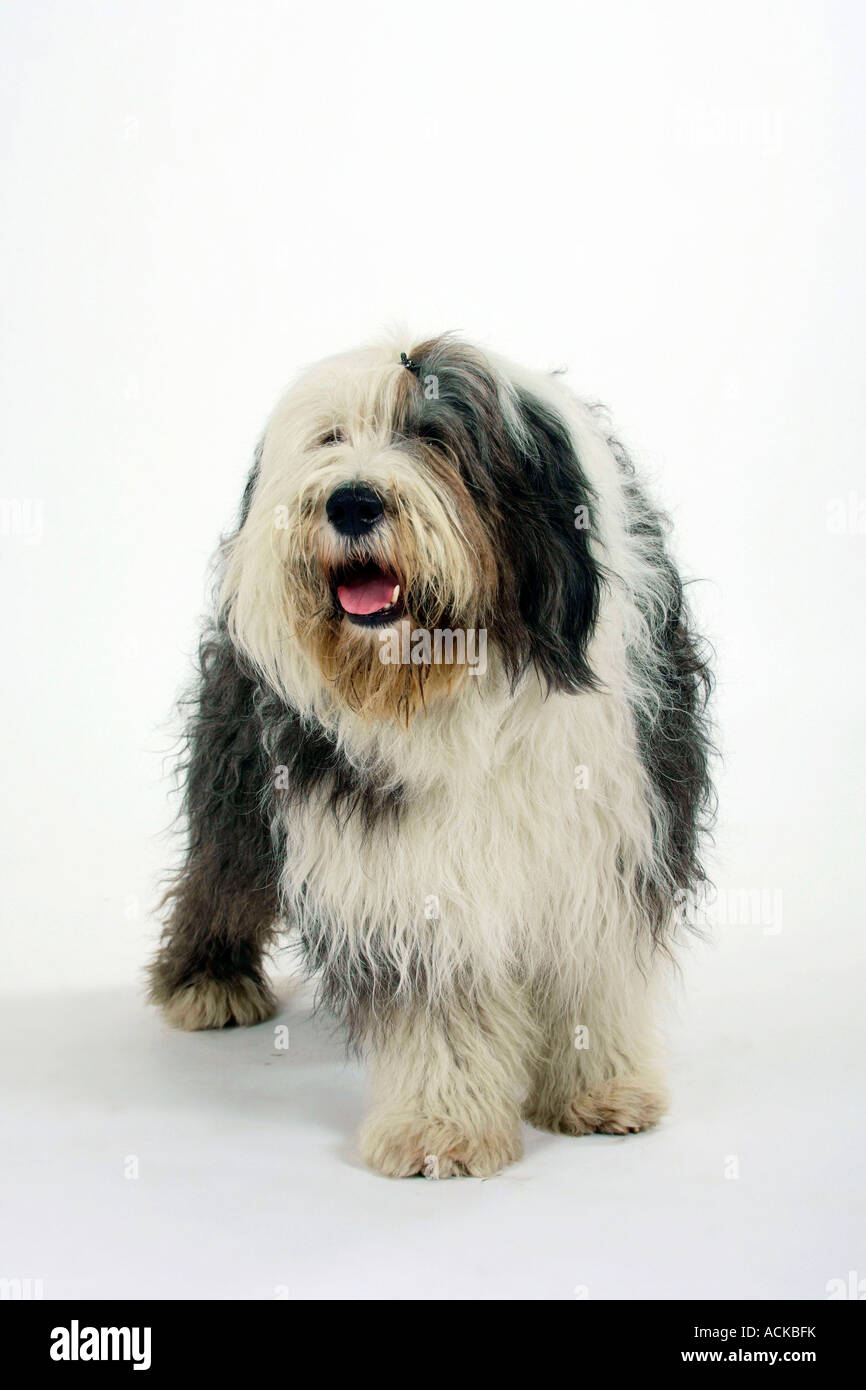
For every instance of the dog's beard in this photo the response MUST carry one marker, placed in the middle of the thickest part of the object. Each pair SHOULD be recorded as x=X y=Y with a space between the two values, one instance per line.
x=347 y=599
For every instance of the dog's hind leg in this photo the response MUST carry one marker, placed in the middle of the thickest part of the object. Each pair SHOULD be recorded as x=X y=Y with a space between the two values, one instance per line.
x=600 y=1070
x=447 y=1086
x=223 y=904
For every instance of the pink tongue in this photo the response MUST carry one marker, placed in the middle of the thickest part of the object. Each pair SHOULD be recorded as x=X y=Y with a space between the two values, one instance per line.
x=367 y=595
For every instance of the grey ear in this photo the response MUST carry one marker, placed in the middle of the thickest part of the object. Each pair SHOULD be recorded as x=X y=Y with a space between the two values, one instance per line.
x=548 y=510
x=527 y=483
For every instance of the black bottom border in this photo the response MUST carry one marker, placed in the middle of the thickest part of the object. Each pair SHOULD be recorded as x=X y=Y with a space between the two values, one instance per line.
x=248 y=1339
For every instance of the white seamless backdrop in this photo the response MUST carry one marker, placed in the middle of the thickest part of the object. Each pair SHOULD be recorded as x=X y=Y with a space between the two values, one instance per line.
x=197 y=200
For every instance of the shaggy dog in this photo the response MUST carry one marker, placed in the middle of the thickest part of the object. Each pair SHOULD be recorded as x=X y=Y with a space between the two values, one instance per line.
x=450 y=726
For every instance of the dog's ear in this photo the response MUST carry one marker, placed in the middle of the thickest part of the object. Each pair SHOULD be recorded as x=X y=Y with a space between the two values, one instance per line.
x=547 y=513
x=522 y=471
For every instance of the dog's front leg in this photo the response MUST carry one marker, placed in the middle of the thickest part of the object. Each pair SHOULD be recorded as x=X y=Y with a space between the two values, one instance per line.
x=600 y=1069
x=223 y=904
x=448 y=1082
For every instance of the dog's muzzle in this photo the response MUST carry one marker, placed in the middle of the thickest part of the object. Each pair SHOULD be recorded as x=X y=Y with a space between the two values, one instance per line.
x=366 y=593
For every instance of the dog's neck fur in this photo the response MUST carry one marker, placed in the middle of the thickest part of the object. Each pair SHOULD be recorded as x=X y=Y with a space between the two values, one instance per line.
x=459 y=739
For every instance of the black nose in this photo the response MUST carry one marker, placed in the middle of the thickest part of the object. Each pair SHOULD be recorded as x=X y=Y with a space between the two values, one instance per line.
x=354 y=509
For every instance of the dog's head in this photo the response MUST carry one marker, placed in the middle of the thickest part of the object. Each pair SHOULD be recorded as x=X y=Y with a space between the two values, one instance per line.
x=398 y=494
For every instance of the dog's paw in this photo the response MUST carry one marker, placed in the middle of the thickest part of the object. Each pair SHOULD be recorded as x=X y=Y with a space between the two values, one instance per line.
x=210 y=1003
x=401 y=1147
x=623 y=1105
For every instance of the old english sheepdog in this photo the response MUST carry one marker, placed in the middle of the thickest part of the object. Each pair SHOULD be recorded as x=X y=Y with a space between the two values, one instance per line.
x=450 y=729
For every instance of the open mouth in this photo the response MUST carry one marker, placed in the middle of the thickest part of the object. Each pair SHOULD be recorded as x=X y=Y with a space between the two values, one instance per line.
x=368 y=595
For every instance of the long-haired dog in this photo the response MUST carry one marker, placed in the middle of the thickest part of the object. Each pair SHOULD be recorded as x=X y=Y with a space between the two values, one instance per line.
x=450 y=725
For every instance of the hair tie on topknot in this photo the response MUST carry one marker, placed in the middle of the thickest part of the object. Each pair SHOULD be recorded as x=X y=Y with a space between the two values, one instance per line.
x=407 y=362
